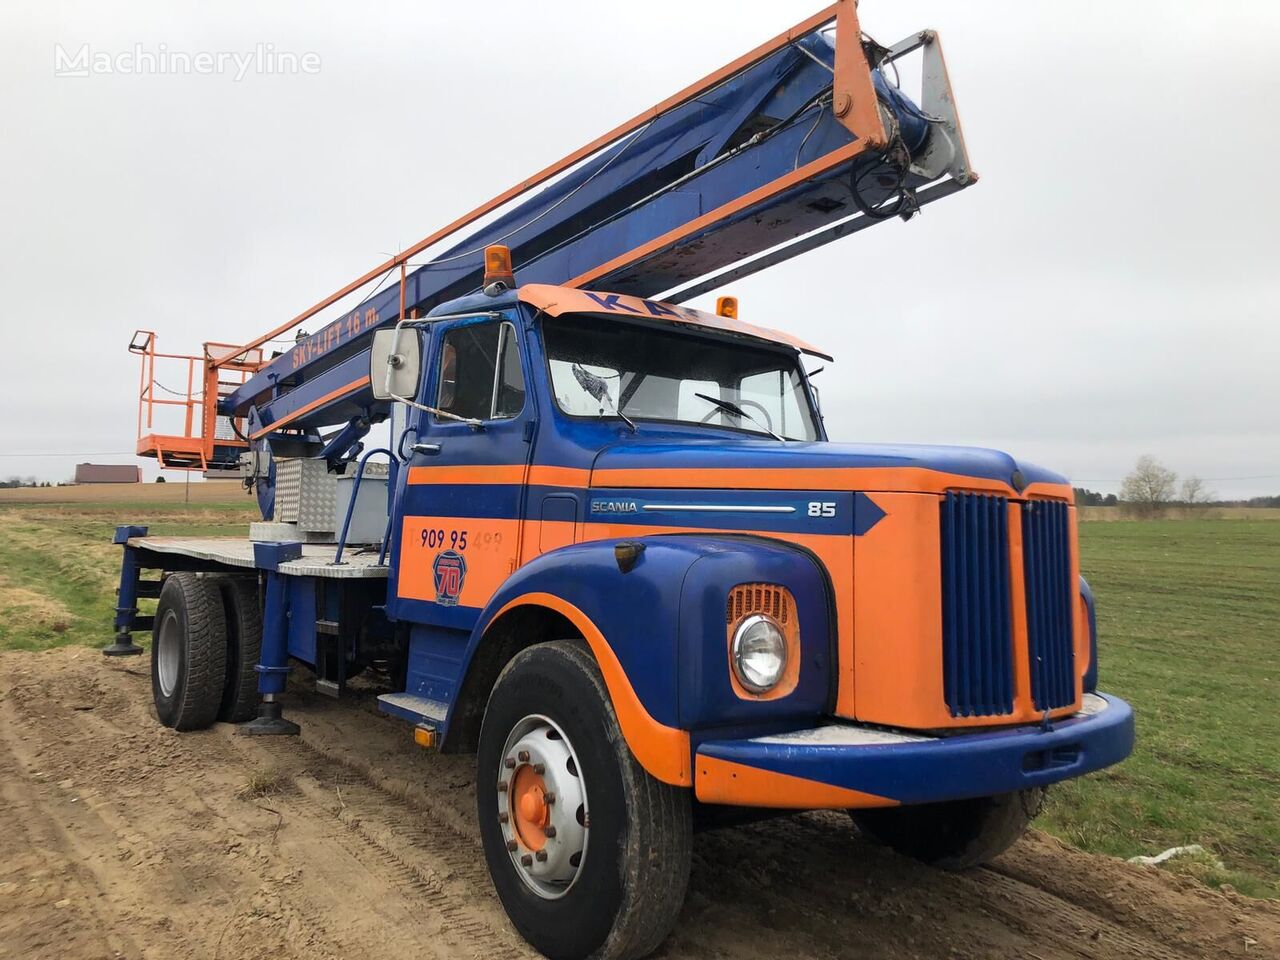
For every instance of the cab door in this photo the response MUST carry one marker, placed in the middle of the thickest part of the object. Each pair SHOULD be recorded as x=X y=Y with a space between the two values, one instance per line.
x=462 y=511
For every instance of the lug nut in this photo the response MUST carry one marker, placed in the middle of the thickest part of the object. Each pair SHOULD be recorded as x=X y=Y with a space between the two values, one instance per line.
x=512 y=846
x=524 y=756
x=503 y=818
x=541 y=855
x=549 y=797
x=550 y=831
x=509 y=762
x=502 y=786
x=526 y=861
x=539 y=768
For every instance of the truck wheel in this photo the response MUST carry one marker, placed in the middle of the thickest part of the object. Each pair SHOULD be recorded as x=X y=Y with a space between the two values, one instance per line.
x=589 y=854
x=189 y=652
x=244 y=649
x=954 y=835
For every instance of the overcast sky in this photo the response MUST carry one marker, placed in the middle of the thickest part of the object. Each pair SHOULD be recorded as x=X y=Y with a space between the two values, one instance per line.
x=1109 y=289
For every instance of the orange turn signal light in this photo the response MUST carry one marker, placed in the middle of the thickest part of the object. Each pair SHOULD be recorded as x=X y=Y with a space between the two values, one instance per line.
x=497 y=265
x=727 y=307
x=424 y=737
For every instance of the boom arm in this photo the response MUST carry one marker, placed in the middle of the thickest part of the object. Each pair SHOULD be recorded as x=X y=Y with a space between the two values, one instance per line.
x=797 y=143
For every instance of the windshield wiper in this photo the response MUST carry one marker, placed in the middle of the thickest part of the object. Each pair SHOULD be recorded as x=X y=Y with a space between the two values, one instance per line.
x=599 y=389
x=730 y=407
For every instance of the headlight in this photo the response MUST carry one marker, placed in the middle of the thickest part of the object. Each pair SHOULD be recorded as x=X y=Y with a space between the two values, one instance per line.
x=759 y=653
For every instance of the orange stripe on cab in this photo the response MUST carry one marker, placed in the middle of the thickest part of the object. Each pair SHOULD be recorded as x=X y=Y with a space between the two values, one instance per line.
x=503 y=473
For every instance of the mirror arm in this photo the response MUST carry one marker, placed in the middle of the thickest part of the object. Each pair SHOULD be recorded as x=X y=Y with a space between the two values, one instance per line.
x=442 y=414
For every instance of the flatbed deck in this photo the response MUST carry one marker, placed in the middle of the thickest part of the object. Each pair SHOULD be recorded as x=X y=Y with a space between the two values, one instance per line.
x=316 y=560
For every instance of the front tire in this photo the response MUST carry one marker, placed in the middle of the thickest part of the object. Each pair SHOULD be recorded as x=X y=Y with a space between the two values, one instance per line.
x=188 y=652
x=956 y=834
x=606 y=878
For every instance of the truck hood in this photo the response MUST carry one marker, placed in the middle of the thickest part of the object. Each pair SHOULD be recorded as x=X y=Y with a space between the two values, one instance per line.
x=766 y=464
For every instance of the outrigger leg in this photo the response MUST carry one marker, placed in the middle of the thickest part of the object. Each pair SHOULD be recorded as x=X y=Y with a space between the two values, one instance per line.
x=127 y=619
x=273 y=663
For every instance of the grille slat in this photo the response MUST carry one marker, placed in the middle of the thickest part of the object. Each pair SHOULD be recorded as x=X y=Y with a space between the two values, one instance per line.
x=976 y=616
x=1047 y=570
x=748 y=598
x=950 y=600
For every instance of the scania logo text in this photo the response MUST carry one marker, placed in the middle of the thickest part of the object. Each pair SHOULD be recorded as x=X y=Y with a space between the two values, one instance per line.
x=614 y=506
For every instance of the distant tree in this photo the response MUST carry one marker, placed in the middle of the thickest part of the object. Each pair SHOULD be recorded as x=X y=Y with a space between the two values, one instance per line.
x=1149 y=488
x=1195 y=491
x=1088 y=498
x=1110 y=500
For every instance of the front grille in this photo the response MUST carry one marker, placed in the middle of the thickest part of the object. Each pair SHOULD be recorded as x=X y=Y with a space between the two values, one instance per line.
x=1046 y=564
x=977 y=619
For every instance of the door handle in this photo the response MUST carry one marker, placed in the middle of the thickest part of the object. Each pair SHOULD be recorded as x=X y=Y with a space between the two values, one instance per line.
x=426 y=449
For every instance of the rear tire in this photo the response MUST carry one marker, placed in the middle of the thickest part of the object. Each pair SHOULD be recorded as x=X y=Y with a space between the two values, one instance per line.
x=957 y=834
x=189 y=652
x=550 y=712
x=244 y=649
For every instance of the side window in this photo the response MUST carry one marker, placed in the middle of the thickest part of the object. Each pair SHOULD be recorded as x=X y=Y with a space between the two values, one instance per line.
x=480 y=375
x=508 y=397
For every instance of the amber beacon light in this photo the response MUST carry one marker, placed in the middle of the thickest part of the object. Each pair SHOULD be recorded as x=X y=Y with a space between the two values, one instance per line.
x=727 y=307
x=497 y=268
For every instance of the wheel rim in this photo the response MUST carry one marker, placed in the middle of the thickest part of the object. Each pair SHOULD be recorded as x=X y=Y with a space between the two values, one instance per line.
x=168 y=642
x=542 y=806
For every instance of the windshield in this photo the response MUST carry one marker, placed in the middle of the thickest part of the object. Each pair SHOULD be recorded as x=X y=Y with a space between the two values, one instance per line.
x=609 y=368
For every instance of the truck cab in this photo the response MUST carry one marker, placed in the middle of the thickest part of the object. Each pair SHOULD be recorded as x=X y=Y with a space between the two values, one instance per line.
x=779 y=621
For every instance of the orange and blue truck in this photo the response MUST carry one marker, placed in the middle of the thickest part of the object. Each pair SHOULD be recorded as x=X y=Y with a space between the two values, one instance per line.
x=607 y=545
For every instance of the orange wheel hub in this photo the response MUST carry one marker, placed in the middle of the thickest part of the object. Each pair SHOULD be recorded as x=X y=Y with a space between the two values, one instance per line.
x=530 y=813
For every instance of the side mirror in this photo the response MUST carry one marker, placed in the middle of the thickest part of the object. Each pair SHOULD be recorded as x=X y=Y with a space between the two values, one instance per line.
x=394 y=367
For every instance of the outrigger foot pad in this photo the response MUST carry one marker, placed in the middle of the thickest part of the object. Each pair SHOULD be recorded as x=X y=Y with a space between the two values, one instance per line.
x=123 y=647
x=269 y=723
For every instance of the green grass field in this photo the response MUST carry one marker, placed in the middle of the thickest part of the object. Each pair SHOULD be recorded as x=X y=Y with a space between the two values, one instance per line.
x=59 y=569
x=1189 y=617
x=1189 y=633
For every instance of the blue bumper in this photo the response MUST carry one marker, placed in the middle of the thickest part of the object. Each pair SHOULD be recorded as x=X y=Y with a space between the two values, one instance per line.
x=838 y=763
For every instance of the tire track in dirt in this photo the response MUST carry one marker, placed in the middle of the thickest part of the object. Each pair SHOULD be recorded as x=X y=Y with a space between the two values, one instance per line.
x=365 y=844
x=333 y=915
x=448 y=872
x=1181 y=913
x=44 y=868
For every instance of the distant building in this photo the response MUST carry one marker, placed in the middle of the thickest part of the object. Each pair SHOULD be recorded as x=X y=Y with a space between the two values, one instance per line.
x=108 y=473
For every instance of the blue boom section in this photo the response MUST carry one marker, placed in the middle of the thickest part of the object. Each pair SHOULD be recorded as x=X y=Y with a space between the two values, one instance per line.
x=752 y=129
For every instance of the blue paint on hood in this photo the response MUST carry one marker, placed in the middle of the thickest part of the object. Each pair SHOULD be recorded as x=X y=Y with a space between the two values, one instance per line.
x=975 y=462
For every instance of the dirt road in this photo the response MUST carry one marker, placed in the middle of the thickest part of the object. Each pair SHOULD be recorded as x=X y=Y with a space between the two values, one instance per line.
x=119 y=838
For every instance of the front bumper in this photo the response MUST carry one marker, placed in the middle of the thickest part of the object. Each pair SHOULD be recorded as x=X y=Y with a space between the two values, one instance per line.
x=846 y=765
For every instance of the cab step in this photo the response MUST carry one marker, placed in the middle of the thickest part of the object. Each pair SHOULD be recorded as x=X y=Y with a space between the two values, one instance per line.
x=419 y=710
